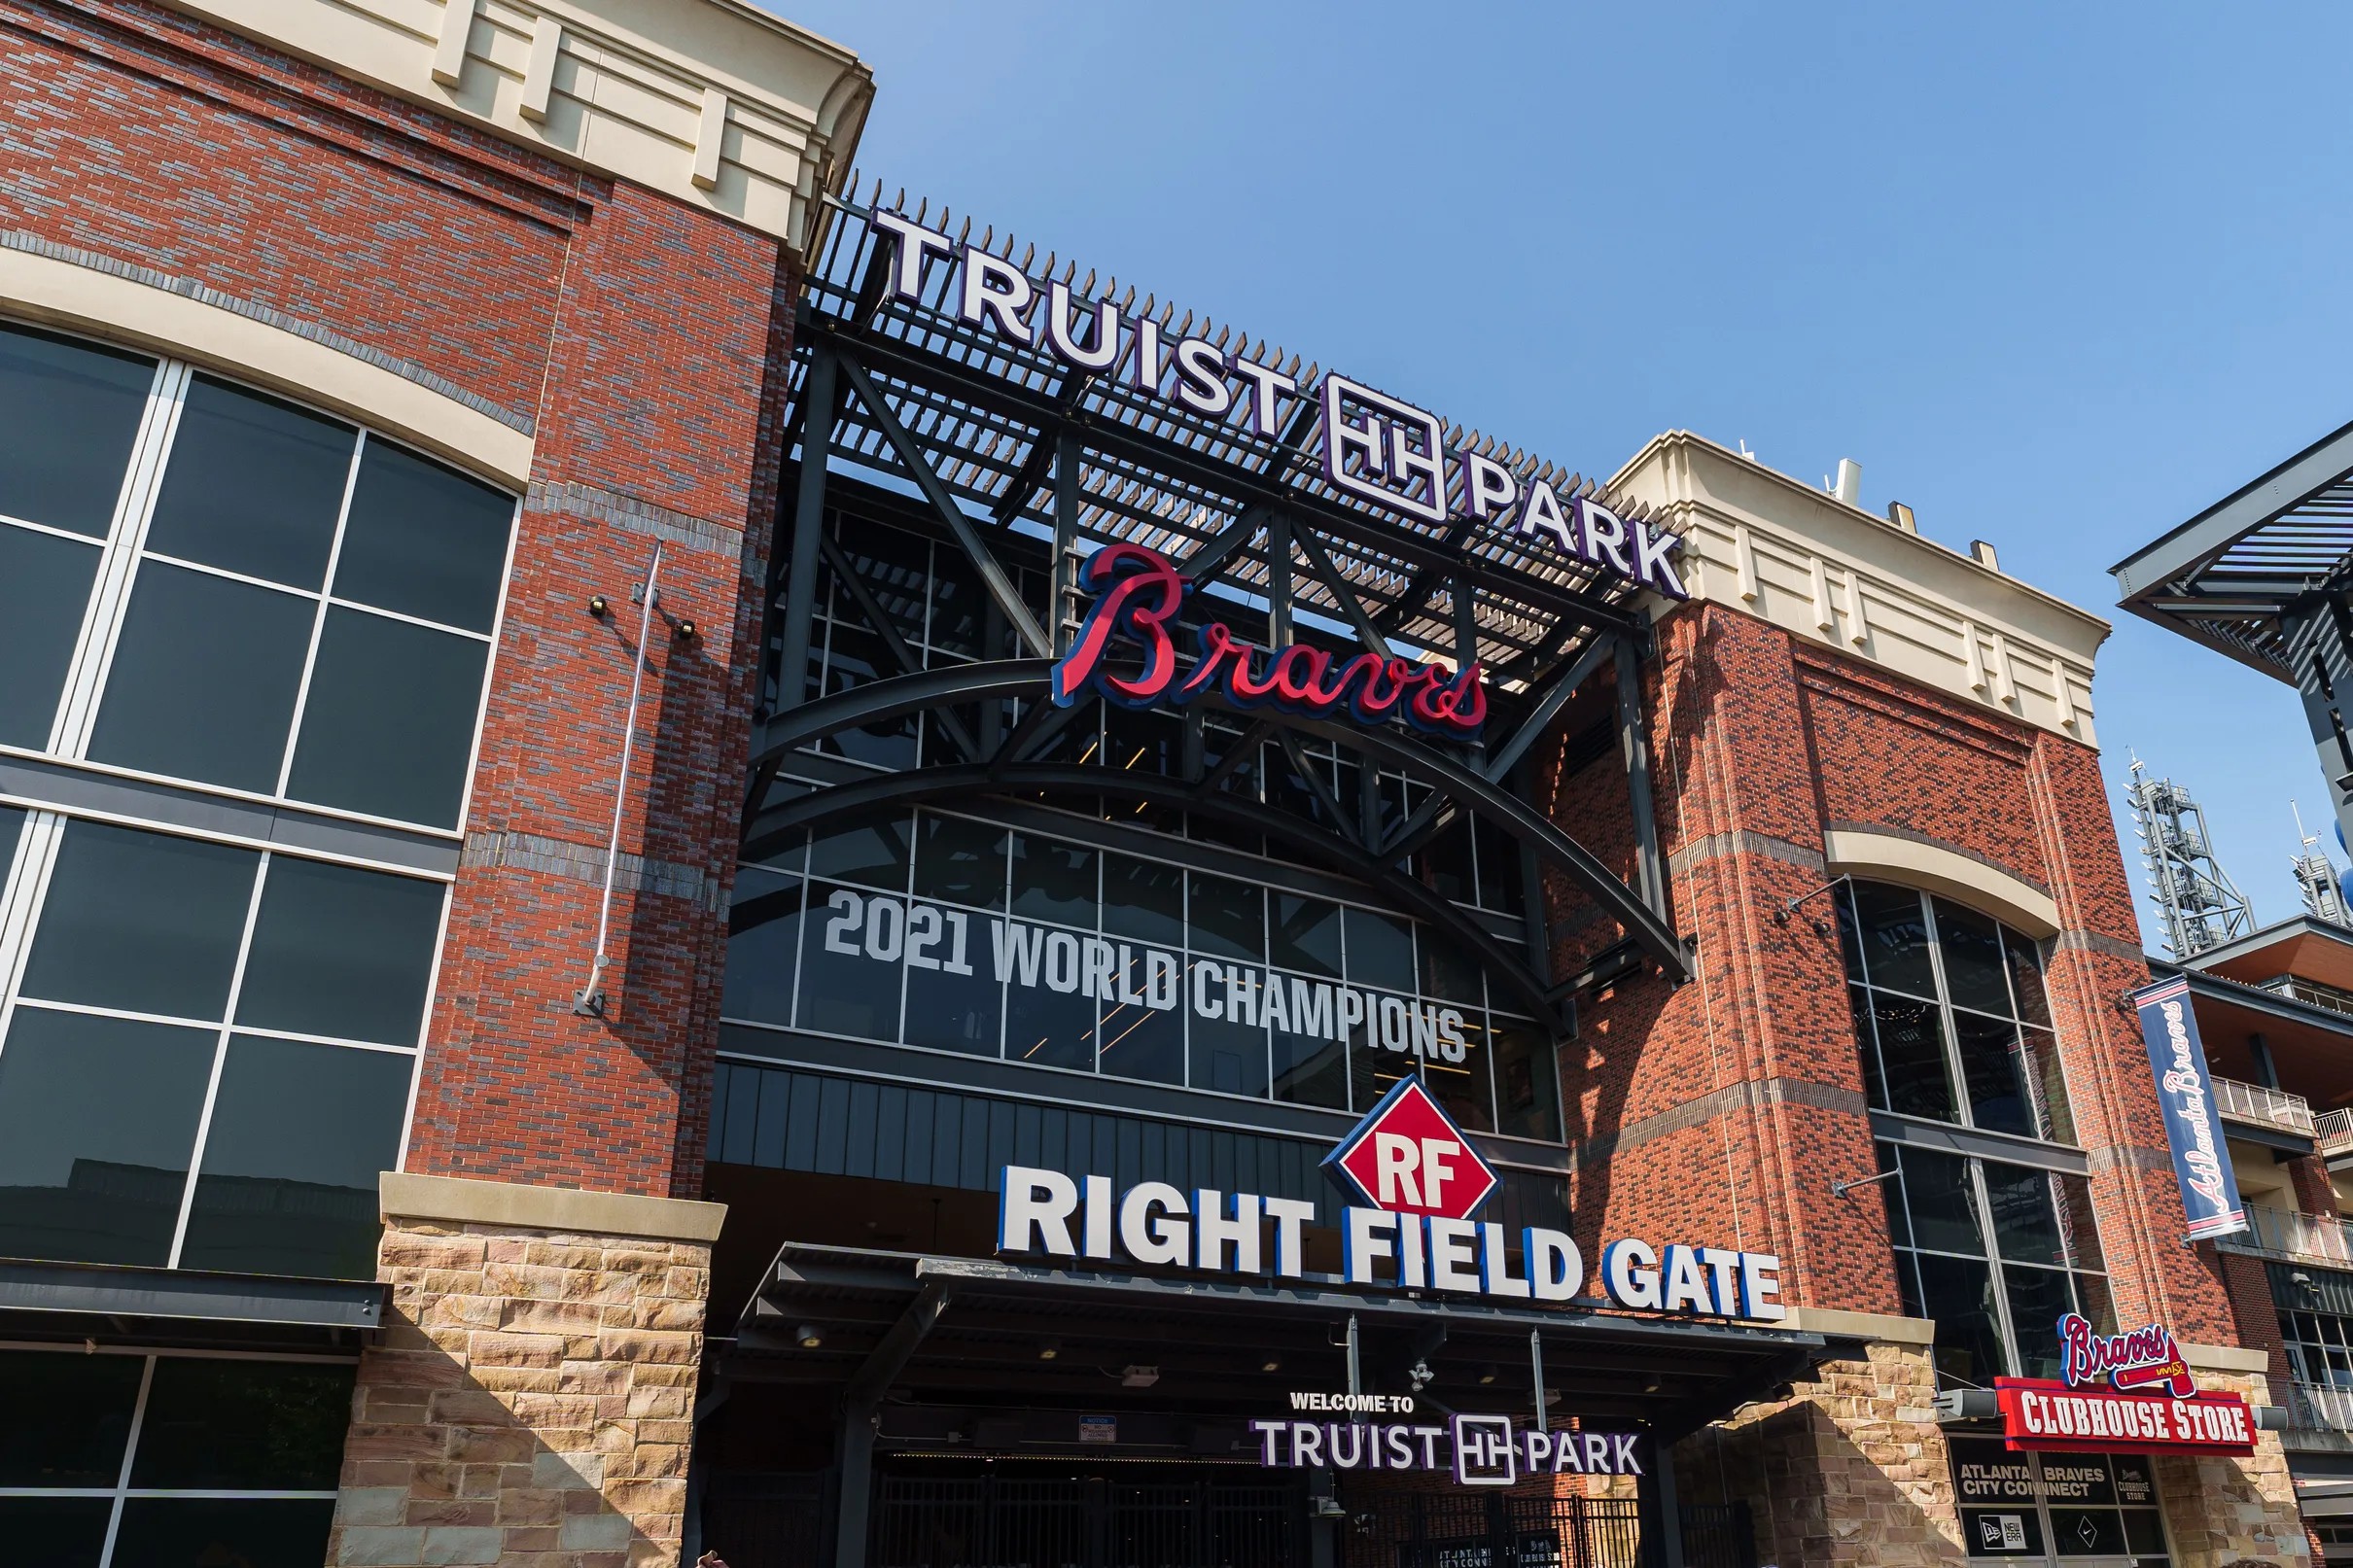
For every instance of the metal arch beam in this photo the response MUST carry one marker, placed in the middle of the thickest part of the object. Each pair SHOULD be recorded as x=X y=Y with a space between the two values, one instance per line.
x=968 y=682
x=885 y=792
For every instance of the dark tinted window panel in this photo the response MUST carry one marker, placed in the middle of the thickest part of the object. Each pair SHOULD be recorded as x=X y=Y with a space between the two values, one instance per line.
x=1144 y=1043
x=424 y=540
x=1447 y=972
x=56 y=1532
x=203 y=680
x=1958 y=1294
x=68 y=1417
x=44 y=591
x=1976 y=971
x=1527 y=1094
x=2025 y=959
x=97 y=1123
x=243 y=1425
x=2038 y=1299
x=1942 y=1202
x=1228 y=1057
x=1894 y=937
x=1306 y=934
x=1047 y=1026
x=2026 y=1224
x=1143 y=899
x=387 y=727
x=856 y=657
x=945 y=1009
x=144 y=921
x=1866 y=1046
x=1850 y=932
x=1911 y=1054
x=70 y=414
x=342 y=952
x=764 y=948
x=1463 y=1087
x=1228 y=917
x=1053 y=881
x=2086 y=1532
x=1992 y=1068
x=1499 y=883
x=1898 y=1224
x=2073 y=1194
x=843 y=989
x=253 y=485
x=186 y=1532
x=1379 y=947
x=960 y=862
x=1310 y=1070
x=875 y=854
x=893 y=565
x=299 y=1133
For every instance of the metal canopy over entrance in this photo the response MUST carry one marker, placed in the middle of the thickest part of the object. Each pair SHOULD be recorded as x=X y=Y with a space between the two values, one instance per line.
x=1010 y=451
x=2262 y=576
x=935 y=1357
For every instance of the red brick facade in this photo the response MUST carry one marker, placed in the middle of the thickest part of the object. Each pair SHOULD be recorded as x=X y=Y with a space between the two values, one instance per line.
x=644 y=346
x=1738 y=1100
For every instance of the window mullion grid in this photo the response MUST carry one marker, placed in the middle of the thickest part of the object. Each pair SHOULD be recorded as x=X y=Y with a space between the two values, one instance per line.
x=21 y=902
x=131 y=1454
x=220 y=1061
x=318 y=619
x=102 y=623
x=1979 y=1196
x=1965 y=1113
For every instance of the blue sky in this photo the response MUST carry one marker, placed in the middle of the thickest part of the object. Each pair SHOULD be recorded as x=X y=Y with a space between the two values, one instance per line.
x=2057 y=277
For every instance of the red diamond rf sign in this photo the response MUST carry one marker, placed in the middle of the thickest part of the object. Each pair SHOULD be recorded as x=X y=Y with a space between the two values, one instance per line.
x=1408 y=1157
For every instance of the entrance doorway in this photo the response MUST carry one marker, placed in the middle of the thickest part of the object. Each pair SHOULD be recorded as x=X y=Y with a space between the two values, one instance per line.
x=963 y=1514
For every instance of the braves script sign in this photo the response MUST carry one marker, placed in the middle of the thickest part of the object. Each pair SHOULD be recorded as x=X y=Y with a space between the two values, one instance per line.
x=1375 y=447
x=1138 y=594
x=2209 y=1186
x=2147 y=1359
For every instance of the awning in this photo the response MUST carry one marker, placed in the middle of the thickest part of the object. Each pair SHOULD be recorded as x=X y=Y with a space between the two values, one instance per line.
x=179 y=1307
x=986 y=1335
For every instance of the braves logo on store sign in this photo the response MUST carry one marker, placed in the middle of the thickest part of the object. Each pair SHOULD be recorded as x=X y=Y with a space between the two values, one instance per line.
x=2147 y=1358
x=1408 y=1157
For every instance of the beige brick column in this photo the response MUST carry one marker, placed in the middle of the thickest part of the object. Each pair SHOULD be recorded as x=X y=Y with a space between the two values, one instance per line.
x=531 y=1402
x=2221 y=1509
x=1850 y=1472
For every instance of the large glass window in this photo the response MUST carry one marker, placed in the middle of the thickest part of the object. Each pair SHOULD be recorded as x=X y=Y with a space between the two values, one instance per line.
x=2064 y=1506
x=303 y=611
x=177 y=1459
x=1996 y=1254
x=1950 y=1013
x=944 y=932
x=207 y=1058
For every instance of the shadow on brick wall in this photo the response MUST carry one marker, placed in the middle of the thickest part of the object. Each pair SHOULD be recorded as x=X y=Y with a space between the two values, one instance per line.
x=1816 y=1497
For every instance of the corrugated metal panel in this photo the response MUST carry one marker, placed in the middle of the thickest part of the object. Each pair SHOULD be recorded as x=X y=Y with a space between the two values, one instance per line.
x=784 y=1120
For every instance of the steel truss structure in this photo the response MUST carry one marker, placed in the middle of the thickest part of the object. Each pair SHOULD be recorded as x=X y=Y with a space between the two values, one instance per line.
x=1011 y=449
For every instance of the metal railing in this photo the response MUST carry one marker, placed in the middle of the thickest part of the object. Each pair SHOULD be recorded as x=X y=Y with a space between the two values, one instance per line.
x=2318 y=1409
x=2296 y=989
x=2265 y=1108
x=2332 y=1131
x=2281 y=1232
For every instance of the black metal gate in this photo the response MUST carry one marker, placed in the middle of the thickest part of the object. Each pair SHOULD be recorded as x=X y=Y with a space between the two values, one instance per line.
x=1013 y=1522
x=1489 y=1530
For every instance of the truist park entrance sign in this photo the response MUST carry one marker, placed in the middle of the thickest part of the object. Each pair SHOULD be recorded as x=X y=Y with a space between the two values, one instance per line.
x=1419 y=1183
x=1374 y=447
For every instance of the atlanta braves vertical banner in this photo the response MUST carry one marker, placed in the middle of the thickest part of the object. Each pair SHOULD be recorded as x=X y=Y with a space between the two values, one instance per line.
x=2201 y=1162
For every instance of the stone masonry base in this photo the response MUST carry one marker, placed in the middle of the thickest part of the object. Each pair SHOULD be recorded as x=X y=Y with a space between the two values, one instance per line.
x=531 y=1402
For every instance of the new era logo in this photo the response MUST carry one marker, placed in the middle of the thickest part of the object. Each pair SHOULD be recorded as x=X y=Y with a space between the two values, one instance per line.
x=1407 y=1156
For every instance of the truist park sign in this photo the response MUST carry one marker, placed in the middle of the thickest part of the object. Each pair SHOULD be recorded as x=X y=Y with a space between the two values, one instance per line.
x=1421 y=1184
x=1374 y=447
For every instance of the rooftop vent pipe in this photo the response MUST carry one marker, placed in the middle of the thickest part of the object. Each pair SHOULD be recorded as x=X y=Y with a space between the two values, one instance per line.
x=1848 y=486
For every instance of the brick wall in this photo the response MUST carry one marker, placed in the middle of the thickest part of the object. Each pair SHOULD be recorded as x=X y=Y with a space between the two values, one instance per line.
x=1727 y=1107
x=644 y=345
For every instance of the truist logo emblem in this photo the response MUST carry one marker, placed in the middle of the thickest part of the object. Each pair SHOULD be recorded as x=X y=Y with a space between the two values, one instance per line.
x=2147 y=1359
x=1408 y=1157
x=1138 y=594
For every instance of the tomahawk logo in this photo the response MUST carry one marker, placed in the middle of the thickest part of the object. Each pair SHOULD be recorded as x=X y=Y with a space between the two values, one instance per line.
x=1408 y=1157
